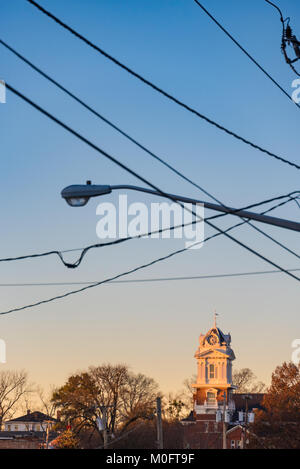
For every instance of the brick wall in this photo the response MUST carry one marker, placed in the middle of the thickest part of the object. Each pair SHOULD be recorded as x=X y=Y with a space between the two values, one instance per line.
x=205 y=433
x=19 y=444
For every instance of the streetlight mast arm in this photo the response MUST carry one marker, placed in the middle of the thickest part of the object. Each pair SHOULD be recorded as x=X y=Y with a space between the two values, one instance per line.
x=282 y=223
x=78 y=195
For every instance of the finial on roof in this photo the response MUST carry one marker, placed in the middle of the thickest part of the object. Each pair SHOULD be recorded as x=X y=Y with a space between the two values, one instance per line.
x=215 y=319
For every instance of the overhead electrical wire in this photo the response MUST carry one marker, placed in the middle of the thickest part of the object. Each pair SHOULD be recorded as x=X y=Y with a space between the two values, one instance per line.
x=160 y=90
x=123 y=274
x=150 y=280
x=84 y=250
x=145 y=181
x=148 y=183
x=107 y=121
x=141 y=178
x=245 y=51
x=286 y=38
x=179 y=173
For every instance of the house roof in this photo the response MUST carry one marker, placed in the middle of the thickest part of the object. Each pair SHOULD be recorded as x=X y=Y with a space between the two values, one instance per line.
x=37 y=417
x=255 y=401
x=233 y=427
x=189 y=418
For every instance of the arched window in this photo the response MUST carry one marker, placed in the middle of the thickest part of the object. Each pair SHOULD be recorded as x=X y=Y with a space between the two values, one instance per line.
x=211 y=371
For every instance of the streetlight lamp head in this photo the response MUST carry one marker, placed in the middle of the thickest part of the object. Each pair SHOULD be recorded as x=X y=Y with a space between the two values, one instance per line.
x=79 y=195
x=77 y=201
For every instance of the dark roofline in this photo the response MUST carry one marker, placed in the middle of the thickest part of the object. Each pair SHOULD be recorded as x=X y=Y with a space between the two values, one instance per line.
x=33 y=417
x=189 y=418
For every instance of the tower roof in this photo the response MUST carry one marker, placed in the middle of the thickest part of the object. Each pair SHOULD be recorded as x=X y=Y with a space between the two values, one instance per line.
x=215 y=337
x=215 y=340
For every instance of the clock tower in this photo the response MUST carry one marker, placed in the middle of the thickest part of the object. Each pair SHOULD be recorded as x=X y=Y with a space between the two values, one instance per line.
x=214 y=378
x=214 y=422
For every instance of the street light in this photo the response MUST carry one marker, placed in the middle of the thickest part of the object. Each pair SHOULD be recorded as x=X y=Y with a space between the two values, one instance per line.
x=79 y=195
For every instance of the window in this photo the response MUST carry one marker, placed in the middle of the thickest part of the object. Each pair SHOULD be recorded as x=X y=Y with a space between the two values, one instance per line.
x=211 y=371
x=239 y=444
x=202 y=371
x=37 y=428
x=211 y=398
x=27 y=427
x=16 y=427
x=232 y=444
x=8 y=428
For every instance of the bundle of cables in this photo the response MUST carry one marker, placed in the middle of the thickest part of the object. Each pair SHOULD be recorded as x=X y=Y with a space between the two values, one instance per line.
x=288 y=39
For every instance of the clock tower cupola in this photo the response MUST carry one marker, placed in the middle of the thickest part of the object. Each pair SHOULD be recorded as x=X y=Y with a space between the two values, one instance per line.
x=214 y=377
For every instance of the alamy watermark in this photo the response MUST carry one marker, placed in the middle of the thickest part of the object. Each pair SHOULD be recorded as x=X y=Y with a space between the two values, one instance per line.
x=135 y=219
x=2 y=351
x=2 y=91
x=296 y=93
x=296 y=353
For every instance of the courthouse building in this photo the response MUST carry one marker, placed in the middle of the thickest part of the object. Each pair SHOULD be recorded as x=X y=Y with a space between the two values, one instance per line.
x=217 y=405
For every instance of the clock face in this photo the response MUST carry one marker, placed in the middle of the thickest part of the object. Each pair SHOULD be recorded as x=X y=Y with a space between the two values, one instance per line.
x=211 y=339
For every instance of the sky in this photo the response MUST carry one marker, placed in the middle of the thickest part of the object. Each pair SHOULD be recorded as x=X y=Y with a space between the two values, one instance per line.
x=153 y=327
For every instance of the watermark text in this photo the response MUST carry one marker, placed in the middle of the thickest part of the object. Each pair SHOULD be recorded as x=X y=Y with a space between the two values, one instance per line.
x=136 y=219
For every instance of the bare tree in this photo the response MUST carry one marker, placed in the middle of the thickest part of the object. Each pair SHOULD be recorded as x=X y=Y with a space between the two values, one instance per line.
x=175 y=406
x=137 y=398
x=188 y=391
x=126 y=396
x=109 y=382
x=246 y=381
x=13 y=388
x=47 y=406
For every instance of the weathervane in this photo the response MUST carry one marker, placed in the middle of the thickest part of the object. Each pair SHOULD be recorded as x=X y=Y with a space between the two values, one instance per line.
x=215 y=318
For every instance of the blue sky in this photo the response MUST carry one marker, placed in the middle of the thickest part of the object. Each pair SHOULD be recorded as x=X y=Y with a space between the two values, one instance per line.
x=172 y=43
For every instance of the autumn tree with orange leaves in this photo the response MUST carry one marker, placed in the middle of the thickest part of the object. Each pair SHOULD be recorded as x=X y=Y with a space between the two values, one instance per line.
x=278 y=424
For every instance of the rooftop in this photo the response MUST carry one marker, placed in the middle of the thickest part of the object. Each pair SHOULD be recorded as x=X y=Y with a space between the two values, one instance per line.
x=33 y=417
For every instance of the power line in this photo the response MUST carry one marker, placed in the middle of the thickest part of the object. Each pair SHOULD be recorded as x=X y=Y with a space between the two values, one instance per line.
x=160 y=90
x=245 y=51
x=128 y=272
x=180 y=174
x=149 y=280
x=84 y=250
x=134 y=173
x=107 y=121
x=171 y=228
x=284 y=40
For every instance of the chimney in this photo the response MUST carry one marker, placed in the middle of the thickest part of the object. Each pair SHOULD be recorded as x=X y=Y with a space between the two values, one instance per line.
x=28 y=411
